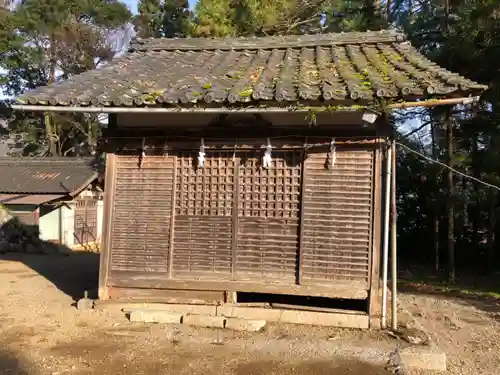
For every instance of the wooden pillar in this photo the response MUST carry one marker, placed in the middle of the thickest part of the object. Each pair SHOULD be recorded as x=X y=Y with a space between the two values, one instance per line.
x=394 y=284
x=105 y=248
x=375 y=297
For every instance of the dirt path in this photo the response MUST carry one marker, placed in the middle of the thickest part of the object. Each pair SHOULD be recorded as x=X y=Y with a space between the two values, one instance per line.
x=42 y=334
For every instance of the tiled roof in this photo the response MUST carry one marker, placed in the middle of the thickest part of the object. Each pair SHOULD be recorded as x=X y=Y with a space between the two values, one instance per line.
x=329 y=67
x=45 y=175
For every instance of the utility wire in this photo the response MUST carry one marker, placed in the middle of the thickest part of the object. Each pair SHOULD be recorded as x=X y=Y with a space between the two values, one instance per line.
x=448 y=167
x=415 y=130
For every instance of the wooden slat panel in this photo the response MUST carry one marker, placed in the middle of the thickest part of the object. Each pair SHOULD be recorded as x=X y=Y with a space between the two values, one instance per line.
x=202 y=240
x=141 y=213
x=268 y=218
x=267 y=252
x=336 y=218
x=203 y=247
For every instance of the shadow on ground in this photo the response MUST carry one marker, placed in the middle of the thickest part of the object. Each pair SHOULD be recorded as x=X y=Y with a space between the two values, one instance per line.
x=338 y=367
x=10 y=363
x=71 y=272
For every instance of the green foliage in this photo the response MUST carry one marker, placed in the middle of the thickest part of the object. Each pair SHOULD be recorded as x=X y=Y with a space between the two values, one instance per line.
x=353 y=15
x=167 y=18
x=463 y=40
x=255 y=17
x=214 y=18
x=219 y=18
x=48 y=40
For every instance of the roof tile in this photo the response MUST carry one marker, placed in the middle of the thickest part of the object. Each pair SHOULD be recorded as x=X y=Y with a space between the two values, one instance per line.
x=330 y=67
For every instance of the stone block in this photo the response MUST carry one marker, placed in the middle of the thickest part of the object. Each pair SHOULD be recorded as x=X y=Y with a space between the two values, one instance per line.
x=295 y=316
x=424 y=359
x=85 y=304
x=204 y=321
x=325 y=319
x=107 y=305
x=154 y=316
x=185 y=309
x=271 y=315
x=238 y=324
x=182 y=309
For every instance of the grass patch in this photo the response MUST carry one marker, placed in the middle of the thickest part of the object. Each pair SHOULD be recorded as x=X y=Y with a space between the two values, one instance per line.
x=467 y=285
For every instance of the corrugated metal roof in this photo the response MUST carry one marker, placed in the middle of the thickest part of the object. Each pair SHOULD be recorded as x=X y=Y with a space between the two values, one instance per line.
x=35 y=199
x=45 y=175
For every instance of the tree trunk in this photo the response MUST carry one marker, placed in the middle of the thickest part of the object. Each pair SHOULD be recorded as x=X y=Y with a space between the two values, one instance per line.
x=50 y=134
x=372 y=8
x=49 y=124
x=435 y=209
x=446 y=14
x=492 y=202
x=461 y=222
x=476 y=211
x=451 y=197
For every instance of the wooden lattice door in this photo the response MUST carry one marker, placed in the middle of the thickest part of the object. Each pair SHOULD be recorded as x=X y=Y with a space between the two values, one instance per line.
x=203 y=218
x=85 y=221
x=268 y=217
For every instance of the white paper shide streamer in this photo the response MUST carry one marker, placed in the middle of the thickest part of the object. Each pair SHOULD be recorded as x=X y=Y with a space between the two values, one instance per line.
x=201 y=154
x=267 y=159
x=143 y=152
x=331 y=156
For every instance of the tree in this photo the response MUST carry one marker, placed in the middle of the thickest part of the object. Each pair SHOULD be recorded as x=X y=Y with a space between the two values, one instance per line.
x=55 y=40
x=283 y=17
x=462 y=36
x=355 y=15
x=167 y=18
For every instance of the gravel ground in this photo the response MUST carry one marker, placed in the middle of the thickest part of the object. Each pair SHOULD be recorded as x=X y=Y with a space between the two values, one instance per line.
x=466 y=329
x=43 y=334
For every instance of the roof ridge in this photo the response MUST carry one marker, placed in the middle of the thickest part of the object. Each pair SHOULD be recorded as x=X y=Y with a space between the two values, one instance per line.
x=266 y=42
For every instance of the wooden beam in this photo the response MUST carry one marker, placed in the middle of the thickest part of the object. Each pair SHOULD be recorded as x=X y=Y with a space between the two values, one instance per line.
x=166 y=296
x=302 y=219
x=434 y=103
x=139 y=280
x=234 y=219
x=172 y=220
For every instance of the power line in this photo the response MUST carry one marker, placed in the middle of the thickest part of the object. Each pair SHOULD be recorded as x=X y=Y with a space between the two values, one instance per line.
x=448 y=167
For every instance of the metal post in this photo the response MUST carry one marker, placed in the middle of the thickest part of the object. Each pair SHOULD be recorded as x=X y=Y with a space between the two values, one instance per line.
x=394 y=275
x=385 y=255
